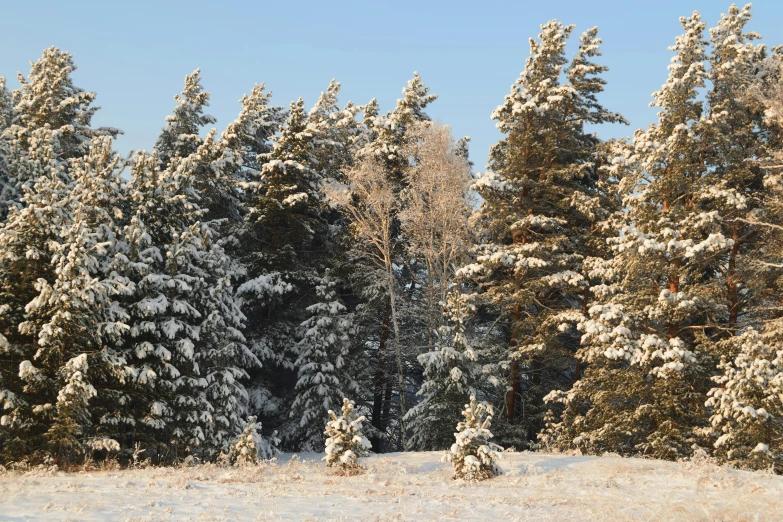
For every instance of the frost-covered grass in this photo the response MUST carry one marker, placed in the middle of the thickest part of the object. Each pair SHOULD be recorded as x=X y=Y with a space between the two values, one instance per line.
x=408 y=486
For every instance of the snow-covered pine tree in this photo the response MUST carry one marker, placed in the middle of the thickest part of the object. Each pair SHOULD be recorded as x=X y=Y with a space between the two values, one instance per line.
x=769 y=91
x=450 y=373
x=323 y=379
x=586 y=416
x=7 y=192
x=707 y=177
x=410 y=108
x=48 y=98
x=75 y=318
x=745 y=411
x=246 y=141
x=180 y=136
x=345 y=443
x=97 y=203
x=738 y=139
x=29 y=241
x=250 y=447
x=62 y=295
x=473 y=456
x=6 y=106
x=7 y=198
x=213 y=175
x=747 y=405
x=335 y=133
x=669 y=251
x=388 y=133
x=339 y=139
x=534 y=221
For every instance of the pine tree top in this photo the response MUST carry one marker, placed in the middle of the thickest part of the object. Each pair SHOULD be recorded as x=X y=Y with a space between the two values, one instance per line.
x=416 y=97
x=180 y=136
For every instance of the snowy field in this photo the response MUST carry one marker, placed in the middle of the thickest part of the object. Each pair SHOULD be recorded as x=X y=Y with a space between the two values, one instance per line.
x=410 y=486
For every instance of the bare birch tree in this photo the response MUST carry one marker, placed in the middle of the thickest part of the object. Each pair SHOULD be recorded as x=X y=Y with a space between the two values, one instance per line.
x=437 y=204
x=371 y=203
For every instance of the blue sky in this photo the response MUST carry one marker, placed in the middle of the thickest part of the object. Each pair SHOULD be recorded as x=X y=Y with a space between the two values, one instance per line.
x=135 y=54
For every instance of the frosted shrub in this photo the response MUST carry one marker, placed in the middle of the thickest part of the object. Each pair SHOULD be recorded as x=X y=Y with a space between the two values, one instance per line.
x=345 y=442
x=250 y=447
x=472 y=455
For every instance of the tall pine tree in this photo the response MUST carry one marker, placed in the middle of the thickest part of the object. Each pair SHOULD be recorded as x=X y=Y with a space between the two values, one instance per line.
x=536 y=222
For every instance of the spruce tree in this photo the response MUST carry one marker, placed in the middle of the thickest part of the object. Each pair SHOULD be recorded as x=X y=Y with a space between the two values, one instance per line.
x=186 y=332
x=326 y=355
x=164 y=242
x=213 y=173
x=323 y=379
x=450 y=374
x=280 y=236
x=222 y=354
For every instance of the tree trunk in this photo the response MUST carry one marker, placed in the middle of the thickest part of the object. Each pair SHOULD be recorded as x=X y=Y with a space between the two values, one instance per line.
x=387 y=395
x=380 y=379
x=397 y=350
x=674 y=287
x=732 y=280
x=431 y=307
x=585 y=302
x=513 y=377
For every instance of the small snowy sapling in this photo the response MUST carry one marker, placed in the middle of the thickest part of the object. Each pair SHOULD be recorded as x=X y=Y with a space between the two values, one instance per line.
x=345 y=442
x=250 y=447
x=472 y=455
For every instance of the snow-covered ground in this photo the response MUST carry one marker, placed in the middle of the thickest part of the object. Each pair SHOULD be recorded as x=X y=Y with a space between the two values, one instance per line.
x=408 y=486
